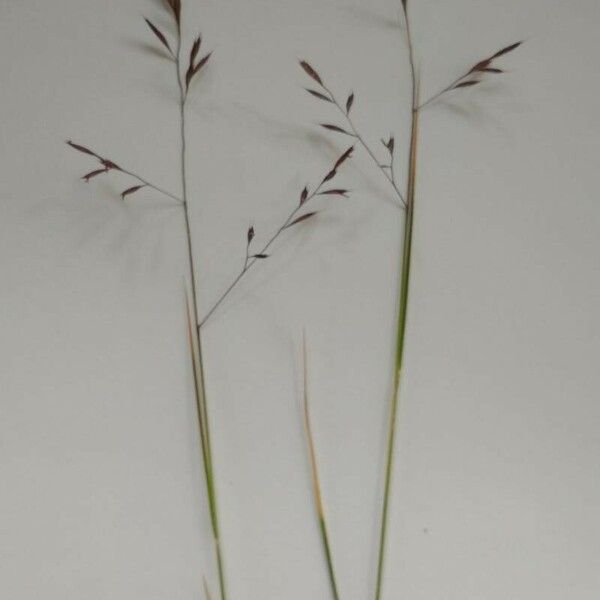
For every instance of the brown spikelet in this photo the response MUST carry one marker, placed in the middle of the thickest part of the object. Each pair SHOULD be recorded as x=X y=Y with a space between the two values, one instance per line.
x=175 y=6
x=349 y=102
x=330 y=175
x=465 y=84
x=334 y=192
x=158 y=33
x=506 y=50
x=389 y=144
x=343 y=158
x=318 y=95
x=131 y=190
x=303 y=196
x=193 y=70
x=250 y=235
x=202 y=62
x=335 y=128
x=480 y=66
x=311 y=72
x=81 y=148
x=109 y=164
x=92 y=174
x=302 y=218
x=195 y=49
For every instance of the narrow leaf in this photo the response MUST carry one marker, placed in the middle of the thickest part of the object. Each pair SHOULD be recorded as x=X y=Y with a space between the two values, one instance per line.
x=131 y=190
x=158 y=33
x=318 y=95
x=507 y=50
x=335 y=128
x=260 y=256
x=302 y=218
x=311 y=72
x=491 y=70
x=349 y=102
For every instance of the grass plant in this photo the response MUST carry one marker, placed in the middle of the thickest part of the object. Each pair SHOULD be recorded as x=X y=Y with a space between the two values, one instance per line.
x=187 y=66
x=405 y=199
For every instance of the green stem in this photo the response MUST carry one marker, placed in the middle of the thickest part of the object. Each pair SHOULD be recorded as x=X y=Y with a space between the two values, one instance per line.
x=196 y=342
x=330 y=569
x=316 y=486
x=405 y=267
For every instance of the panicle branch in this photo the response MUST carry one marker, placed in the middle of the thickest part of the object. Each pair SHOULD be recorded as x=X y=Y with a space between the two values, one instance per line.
x=109 y=165
x=293 y=218
x=474 y=75
x=324 y=93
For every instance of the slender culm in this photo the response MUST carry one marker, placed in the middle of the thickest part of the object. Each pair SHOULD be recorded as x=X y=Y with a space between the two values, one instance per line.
x=316 y=486
x=406 y=201
x=186 y=68
x=192 y=312
x=198 y=365
x=404 y=279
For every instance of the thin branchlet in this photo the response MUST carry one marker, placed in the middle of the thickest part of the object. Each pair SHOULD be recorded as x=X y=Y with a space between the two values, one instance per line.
x=250 y=259
x=327 y=95
x=292 y=219
x=194 y=66
x=474 y=75
x=109 y=165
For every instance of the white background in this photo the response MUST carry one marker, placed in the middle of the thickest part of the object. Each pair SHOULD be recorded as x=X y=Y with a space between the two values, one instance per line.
x=497 y=481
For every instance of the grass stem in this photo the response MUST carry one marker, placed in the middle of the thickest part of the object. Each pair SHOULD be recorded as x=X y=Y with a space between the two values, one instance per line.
x=356 y=134
x=471 y=77
x=316 y=487
x=405 y=267
x=196 y=343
